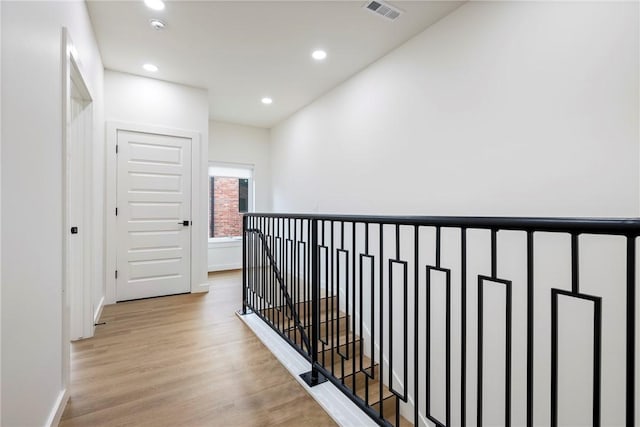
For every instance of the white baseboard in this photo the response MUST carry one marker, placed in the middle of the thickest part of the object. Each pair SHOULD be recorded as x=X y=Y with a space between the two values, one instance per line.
x=56 y=412
x=201 y=288
x=98 y=312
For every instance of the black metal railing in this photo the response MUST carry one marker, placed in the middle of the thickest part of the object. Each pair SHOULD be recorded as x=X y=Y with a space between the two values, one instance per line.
x=455 y=320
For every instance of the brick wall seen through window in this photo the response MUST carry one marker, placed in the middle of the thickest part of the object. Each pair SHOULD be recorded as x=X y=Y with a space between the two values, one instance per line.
x=229 y=199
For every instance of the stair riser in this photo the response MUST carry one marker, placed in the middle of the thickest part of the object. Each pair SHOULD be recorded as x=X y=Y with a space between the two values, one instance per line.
x=361 y=378
x=327 y=328
x=301 y=307
x=389 y=408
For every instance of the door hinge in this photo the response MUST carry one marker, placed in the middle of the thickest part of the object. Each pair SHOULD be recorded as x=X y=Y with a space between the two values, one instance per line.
x=116 y=274
x=116 y=211
x=116 y=148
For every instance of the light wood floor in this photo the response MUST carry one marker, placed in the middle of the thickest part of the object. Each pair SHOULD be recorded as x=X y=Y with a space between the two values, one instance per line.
x=184 y=360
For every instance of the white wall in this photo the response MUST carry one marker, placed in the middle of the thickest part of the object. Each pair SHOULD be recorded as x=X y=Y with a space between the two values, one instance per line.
x=234 y=143
x=0 y=219
x=501 y=108
x=32 y=186
x=145 y=101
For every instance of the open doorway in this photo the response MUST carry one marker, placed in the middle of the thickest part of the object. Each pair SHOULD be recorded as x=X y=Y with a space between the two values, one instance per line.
x=77 y=115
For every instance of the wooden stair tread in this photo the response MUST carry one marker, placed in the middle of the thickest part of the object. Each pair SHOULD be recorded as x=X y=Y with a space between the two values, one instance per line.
x=331 y=319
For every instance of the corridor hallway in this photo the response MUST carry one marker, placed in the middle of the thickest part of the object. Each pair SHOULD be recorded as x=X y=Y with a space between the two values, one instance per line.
x=184 y=360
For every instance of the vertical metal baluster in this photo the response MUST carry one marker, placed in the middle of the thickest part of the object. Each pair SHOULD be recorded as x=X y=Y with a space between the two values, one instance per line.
x=390 y=319
x=256 y=257
x=366 y=251
x=346 y=291
x=273 y=272
x=494 y=251
x=353 y=305
x=631 y=330
x=507 y=358
x=263 y=260
x=250 y=272
x=373 y=321
x=405 y=350
x=530 y=306
x=259 y=254
x=575 y=264
x=307 y=271
x=416 y=317
x=283 y=270
x=256 y=265
x=480 y=345
x=289 y=274
x=438 y=246
x=296 y=281
x=253 y=265
x=554 y=362
x=326 y=296
x=448 y=348
x=244 y=264
x=286 y=278
x=597 y=361
x=333 y=303
x=427 y=340
x=380 y=320
x=463 y=327
x=268 y=267
x=315 y=327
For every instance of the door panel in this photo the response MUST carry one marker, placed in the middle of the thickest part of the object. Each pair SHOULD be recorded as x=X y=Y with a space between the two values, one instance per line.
x=154 y=198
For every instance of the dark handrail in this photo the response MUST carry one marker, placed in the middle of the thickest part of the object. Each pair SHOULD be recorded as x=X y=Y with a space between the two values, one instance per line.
x=289 y=301
x=619 y=226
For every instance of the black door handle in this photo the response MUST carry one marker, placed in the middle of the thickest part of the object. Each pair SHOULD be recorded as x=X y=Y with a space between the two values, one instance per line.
x=185 y=223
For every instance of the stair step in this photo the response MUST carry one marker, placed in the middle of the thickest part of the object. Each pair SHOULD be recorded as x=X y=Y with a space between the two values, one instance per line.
x=303 y=307
x=361 y=377
x=332 y=347
x=374 y=392
x=327 y=326
x=389 y=406
x=331 y=321
x=350 y=363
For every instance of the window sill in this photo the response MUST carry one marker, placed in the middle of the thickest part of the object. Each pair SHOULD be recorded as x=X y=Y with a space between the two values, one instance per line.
x=219 y=242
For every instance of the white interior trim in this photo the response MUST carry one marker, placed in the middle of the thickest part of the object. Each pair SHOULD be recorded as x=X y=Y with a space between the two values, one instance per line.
x=198 y=170
x=98 y=311
x=58 y=408
x=72 y=74
x=333 y=401
x=0 y=227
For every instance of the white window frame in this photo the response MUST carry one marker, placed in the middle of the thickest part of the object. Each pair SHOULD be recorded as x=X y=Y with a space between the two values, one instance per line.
x=250 y=167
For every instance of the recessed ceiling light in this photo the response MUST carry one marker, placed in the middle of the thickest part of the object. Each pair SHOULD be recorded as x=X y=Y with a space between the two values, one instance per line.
x=150 y=67
x=154 y=4
x=267 y=100
x=157 y=24
x=319 y=55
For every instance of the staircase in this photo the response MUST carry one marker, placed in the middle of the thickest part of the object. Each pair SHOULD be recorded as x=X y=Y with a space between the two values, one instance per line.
x=341 y=353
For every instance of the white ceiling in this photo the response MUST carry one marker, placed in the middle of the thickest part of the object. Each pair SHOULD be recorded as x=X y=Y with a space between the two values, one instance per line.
x=242 y=51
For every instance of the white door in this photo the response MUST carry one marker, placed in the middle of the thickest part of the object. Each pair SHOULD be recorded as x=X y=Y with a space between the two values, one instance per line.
x=79 y=131
x=153 y=215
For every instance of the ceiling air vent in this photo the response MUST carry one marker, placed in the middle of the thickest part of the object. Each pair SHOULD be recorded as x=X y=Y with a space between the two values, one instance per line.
x=383 y=9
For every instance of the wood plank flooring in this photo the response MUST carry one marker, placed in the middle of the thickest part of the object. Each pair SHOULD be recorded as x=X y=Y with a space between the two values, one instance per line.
x=183 y=360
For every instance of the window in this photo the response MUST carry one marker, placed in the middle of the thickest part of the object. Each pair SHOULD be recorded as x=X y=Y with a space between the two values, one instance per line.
x=230 y=195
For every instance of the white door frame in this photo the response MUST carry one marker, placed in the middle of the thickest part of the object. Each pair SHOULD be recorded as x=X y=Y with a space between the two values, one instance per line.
x=72 y=74
x=198 y=255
